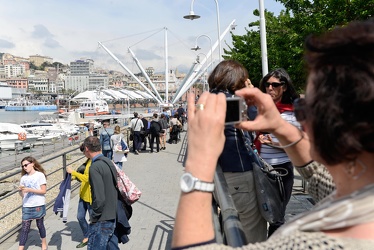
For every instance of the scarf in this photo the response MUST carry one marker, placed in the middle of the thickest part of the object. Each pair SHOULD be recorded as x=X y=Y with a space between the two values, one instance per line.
x=284 y=107
x=331 y=213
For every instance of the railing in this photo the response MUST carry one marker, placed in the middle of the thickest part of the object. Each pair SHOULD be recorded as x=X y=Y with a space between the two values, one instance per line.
x=228 y=228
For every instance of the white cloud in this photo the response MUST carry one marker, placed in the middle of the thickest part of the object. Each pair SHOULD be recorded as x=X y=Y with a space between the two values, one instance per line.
x=69 y=30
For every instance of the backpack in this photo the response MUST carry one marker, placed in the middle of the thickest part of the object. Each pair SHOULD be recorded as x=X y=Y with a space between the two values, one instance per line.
x=155 y=128
x=127 y=189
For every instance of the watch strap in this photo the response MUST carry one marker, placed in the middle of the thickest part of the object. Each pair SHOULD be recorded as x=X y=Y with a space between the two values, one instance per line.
x=204 y=186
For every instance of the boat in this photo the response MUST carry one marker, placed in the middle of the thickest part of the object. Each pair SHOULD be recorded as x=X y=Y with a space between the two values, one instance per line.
x=14 y=137
x=25 y=105
x=50 y=127
x=94 y=107
x=3 y=104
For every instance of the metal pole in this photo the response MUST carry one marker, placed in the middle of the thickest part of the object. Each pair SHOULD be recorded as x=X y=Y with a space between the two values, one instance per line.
x=264 y=50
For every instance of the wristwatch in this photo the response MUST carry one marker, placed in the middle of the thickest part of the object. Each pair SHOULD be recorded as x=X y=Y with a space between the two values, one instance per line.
x=190 y=183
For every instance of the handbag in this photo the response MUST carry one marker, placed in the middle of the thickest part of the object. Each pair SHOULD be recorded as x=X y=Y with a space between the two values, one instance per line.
x=127 y=188
x=269 y=186
x=121 y=146
x=131 y=138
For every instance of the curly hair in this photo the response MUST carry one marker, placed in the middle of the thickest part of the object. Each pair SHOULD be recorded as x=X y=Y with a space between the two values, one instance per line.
x=341 y=100
x=228 y=75
x=37 y=165
x=288 y=96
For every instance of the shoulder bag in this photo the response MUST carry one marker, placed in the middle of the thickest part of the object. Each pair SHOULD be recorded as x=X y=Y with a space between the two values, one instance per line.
x=121 y=146
x=268 y=184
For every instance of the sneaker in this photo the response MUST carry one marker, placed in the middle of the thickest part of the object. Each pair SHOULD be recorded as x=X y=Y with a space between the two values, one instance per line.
x=136 y=152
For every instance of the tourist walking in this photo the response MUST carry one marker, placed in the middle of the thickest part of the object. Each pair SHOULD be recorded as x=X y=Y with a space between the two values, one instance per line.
x=104 y=202
x=164 y=127
x=32 y=188
x=105 y=135
x=119 y=156
x=85 y=198
x=155 y=133
x=136 y=126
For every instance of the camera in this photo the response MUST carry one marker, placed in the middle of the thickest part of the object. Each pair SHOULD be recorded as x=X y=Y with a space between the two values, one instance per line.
x=236 y=110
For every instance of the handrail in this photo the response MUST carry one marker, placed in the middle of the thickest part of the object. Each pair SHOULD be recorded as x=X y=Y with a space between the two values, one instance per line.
x=233 y=234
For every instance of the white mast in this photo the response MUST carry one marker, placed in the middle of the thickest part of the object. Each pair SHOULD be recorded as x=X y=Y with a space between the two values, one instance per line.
x=129 y=71
x=166 y=67
x=145 y=74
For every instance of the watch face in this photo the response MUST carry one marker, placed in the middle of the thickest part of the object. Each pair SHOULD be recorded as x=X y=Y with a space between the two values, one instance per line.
x=187 y=182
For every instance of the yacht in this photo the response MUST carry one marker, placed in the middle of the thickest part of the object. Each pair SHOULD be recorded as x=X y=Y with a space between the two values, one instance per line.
x=14 y=137
x=49 y=126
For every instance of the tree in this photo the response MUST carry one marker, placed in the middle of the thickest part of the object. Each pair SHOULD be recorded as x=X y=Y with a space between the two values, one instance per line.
x=287 y=32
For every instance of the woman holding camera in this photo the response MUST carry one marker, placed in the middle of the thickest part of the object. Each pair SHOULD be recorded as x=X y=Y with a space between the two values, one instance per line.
x=339 y=133
x=227 y=77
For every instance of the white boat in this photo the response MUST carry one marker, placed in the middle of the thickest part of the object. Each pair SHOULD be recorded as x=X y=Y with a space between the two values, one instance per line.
x=92 y=107
x=50 y=126
x=13 y=136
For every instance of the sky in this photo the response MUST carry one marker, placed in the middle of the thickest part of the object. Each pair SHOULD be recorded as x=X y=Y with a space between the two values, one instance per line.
x=71 y=29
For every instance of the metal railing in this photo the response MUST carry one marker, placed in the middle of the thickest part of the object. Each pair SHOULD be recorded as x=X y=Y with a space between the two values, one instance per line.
x=228 y=228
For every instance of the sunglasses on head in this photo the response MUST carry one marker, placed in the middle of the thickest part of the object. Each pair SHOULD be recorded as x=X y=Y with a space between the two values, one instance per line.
x=273 y=84
x=300 y=109
x=25 y=165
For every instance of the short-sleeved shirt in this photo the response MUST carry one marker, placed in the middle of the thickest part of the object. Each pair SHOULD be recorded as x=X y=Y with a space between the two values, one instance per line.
x=33 y=181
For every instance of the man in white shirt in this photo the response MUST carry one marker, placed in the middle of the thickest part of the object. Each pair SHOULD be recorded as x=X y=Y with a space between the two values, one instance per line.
x=136 y=126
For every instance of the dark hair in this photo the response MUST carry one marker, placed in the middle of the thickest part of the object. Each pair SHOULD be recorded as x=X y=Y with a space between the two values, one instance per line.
x=341 y=96
x=37 y=165
x=92 y=143
x=135 y=114
x=228 y=75
x=290 y=94
x=81 y=147
x=155 y=115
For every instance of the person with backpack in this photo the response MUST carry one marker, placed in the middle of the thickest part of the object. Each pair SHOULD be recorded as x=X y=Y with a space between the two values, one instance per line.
x=155 y=130
x=104 y=199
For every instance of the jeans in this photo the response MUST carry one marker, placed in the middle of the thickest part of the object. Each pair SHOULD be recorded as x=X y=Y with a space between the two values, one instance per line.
x=153 y=137
x=288 y=181
x=107 y=153
x=102 y=236
x=83 y=207
x=137 y=140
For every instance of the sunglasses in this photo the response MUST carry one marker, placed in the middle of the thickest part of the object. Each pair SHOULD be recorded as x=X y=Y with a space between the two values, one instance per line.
x=25 y=165
x=300 y=109
x=273 y=84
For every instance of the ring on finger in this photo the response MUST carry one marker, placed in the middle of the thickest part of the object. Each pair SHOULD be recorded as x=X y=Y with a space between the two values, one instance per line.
x=199 y=106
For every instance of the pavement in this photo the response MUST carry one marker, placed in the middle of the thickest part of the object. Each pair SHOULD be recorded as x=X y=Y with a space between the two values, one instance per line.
x=157 y=176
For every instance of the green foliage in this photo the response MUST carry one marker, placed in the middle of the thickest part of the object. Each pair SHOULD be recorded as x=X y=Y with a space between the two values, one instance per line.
x=287 y=32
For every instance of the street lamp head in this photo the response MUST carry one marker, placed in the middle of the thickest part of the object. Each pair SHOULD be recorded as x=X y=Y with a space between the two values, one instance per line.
x=196 y=48
x=191 y=16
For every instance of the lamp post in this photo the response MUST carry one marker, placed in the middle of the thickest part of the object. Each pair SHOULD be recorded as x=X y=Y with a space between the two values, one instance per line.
x=204 y=78
x=192 y=16
x=196 y=48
